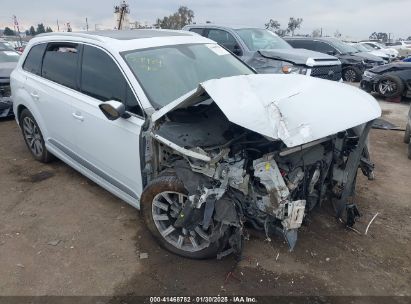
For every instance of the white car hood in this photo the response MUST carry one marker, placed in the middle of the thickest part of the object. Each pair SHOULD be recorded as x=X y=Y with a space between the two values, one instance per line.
x=293 y=108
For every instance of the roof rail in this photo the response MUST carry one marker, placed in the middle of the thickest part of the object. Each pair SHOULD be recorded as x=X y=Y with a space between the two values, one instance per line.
x=72 y=34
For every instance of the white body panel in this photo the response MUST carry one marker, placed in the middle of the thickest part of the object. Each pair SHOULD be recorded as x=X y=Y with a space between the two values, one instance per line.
x=293 y=108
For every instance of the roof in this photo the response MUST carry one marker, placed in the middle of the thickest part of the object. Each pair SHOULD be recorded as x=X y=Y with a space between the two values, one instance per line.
x=123 y=34
x=212 y=25
x=310 y=38
x=124 y=40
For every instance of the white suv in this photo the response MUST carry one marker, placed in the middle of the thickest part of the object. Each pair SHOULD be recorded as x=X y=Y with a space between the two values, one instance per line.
x=173 y=123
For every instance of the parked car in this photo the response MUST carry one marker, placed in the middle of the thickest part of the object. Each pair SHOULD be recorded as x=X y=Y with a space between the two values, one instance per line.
x=174 y=124
x=353 y=65
x=362 y=48
x=268 y=53
x=403 y=47
x=4 y=45
x=407 y=134
x=379 y=47
x=390 y=80
x=8 y=61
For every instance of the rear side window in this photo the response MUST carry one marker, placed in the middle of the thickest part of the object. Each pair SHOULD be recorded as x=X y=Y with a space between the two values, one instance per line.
x=32 y=63
x=102 y=79
x=60 y=64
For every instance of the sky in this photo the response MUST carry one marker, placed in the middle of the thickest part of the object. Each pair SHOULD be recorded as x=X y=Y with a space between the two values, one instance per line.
x=355 y=19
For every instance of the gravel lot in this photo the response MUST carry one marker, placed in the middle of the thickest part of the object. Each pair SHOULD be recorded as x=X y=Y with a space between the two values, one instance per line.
x=61 y=234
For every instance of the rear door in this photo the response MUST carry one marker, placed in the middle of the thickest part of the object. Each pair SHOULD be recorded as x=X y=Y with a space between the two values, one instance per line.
x=110 y=149
x=51 y=86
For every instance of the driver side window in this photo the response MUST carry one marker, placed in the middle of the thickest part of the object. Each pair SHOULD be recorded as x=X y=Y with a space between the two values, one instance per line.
x=225 y=39
x=325 y=48
x=102 y=79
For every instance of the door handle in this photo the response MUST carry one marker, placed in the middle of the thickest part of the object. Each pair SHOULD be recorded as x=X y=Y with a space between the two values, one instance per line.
x=34 y=95
x=78 y=116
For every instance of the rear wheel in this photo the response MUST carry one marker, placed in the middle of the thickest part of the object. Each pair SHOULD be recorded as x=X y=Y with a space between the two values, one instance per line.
x=33 y=137
x=407 y=134
x=161 y=203
x=352 y=74
x=390 y=86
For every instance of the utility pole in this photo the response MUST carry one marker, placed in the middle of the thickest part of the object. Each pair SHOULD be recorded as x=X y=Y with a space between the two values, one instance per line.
x=58 y=26
x=16 y=26
x=86 y=24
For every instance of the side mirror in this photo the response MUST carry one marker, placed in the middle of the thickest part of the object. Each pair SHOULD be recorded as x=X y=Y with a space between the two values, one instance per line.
x=237 y=50
x=113 y=109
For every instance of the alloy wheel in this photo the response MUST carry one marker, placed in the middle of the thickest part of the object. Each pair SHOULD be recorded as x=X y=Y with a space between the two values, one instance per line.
x=32 y=136
x=166 y=207
x=387 y=86
x=350 y=75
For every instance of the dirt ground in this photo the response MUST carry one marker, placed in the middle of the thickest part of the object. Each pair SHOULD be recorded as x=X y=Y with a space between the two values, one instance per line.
x=61 y=234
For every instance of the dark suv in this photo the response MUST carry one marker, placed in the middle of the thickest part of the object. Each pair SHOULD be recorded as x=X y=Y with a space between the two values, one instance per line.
x=268 y=53
x=353 y=64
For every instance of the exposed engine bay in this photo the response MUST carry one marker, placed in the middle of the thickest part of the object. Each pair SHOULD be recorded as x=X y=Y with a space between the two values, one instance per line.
x=235 y=176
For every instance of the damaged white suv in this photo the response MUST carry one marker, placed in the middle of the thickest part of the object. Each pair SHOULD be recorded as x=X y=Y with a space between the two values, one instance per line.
x=171 y=122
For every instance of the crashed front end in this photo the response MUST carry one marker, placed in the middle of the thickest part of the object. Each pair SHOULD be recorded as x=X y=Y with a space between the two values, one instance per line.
x=248 y=153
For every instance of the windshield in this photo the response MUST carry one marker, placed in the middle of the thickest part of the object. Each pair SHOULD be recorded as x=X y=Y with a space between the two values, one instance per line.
x=360 y=47
x=166 y=73
x=259 y=39
x=9 y=56
x=368 y=47
x=343 y=47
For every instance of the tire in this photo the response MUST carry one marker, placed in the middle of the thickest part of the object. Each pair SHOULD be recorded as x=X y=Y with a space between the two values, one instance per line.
x=172 y=187
x=407 y=134
x=390 y=86
x=352 y=74
x=34 y=140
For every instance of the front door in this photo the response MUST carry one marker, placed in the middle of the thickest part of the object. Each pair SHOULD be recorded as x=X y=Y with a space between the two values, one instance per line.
x=110 y=149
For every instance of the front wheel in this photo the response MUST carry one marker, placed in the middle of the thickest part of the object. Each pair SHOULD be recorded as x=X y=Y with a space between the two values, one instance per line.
x=390 y=86
x=33 y=137
x=161 y=203
x=352 y=74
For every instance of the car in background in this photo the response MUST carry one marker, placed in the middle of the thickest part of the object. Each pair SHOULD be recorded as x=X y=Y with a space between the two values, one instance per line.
x=353 y=64
x=407 y=134
x=379 y=47
x=362 y=48
x=8 y=61
x=391 y=80
x=403 y=47
x=5 y=45
x=268 y=53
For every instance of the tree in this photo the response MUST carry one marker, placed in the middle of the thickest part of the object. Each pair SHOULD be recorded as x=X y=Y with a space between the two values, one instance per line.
x=379 y=36
x=32 y=31
x=294 y=24
x=40 y=29
x=281 y=32
x=8 y=31
x=49 y=30
x=176 y=21
x=317 y=33
x=337 y=34
x=272 y=25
